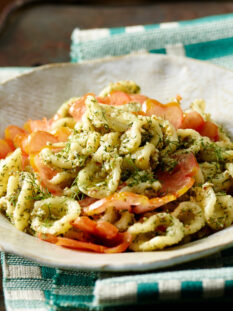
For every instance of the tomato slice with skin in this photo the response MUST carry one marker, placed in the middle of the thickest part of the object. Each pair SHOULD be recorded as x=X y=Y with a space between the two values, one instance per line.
x=128 y=201
x=171 y=111
x=78 y=107
x=193 y=120
x=210 y=130
x=47 y=237
x=115 y=98
x=36 y=141
x=5 y=148
x=79 y=235
x=62 y=133
x=72 y=243
x=12 y=131
x=45 y=174
x=101 y=229
x=37 y=125
x=79 y=245
x=139 y=98
x=174 y=184
x=124 y=239
x=181 y=177
x=118 y=98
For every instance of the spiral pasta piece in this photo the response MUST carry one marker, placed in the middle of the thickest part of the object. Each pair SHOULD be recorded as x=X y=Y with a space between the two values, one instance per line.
x=100 y=180
x=108 y=117
x=131 y=139
x=156 y=232
x=217 y=208
x=170 y=138
x=18 y=201
x=191 y=215
x=54 y=215
x=144 y=155
x=191 y=140
x=121 y=219
x=8 y=166
x=23 y=207
x=152 y=130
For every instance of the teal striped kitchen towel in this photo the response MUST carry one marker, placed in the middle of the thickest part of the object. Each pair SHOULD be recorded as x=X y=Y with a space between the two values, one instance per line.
x=209 y=38
x=30 y=286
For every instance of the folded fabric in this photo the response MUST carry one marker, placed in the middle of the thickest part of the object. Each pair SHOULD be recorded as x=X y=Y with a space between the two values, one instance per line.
x=28 y=285
x=209 y=38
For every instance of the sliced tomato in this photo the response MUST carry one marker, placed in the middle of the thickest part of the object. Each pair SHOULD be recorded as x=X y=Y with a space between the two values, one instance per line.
x=36 y=141
x=84 y=223
x=106 y=230
x=5 y=148
x=115 y=98
x=180 y=179
x=47 y=237
x=104 y=100
x=135 y=203
x=10 y=143
x=72 y=243
x=79 y=245
x=210 y=130
x=20 y=141
x=139 y=98
x=37 y=125
x=101 y=229
x=124 y=240
x=78 y=107
x=79 y=235
x=62 y=133
x=171 y=111
x=45 y=174
x=193 y=120
x=11 y=131
x=118 y=98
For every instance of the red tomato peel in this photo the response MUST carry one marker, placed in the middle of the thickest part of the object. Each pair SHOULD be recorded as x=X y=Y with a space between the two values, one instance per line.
x=171 y=111
x=45 y=174
x=192 y=120
x=36 y=141
x=78 y=108
x=210 y=130
x=5 y=148
x=101 y=229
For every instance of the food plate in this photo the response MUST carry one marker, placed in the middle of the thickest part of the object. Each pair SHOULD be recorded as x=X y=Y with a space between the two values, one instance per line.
x=40 y=92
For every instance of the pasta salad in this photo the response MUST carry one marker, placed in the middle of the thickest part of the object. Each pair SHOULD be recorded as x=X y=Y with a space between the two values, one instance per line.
x=117 y=172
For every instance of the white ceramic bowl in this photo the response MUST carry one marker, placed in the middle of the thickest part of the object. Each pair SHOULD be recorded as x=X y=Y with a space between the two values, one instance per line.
x=40 y=92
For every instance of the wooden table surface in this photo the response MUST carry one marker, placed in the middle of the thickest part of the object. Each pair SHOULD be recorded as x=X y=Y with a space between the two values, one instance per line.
x=39 y=31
